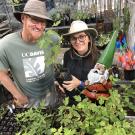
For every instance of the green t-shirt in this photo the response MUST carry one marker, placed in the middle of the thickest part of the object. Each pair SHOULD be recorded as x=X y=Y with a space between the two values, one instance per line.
x=27 y=65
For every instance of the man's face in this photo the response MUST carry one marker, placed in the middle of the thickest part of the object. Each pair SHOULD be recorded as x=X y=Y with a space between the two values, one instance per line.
x=33 y=27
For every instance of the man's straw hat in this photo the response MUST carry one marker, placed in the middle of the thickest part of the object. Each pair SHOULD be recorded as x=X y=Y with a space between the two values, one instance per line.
x=34 y=8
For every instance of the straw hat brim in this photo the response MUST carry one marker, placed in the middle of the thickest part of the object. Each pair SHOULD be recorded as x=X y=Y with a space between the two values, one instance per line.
x=93 y=32
x=18 y=16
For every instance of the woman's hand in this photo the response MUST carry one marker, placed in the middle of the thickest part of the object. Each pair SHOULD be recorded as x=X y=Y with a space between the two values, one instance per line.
x=59 y=87
x=71 y=85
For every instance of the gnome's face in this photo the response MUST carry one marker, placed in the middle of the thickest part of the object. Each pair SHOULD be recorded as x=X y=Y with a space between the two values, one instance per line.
x=100 y=67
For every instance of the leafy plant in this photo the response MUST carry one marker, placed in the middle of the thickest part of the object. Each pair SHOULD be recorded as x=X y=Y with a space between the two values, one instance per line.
x=79 y=15
x=127 y=96
x=86 y=118
x=55 y=15
x=60 y=13
x=118 y=128
x=126 y=19
x=93 y=9
x=35 y=121
x=64 y=9
x=16 y=1
x=50 y=41
x=103 y=39
x=117 y=23
x=122 y=22
x=2 y=111
x=126 y=91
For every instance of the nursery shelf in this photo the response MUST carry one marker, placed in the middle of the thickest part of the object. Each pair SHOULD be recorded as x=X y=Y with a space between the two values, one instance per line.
x=127 y=82
x=130 y=117
x=67 y=27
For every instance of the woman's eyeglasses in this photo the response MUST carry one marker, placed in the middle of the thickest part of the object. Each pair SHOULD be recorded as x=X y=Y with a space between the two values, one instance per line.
x=81 y=38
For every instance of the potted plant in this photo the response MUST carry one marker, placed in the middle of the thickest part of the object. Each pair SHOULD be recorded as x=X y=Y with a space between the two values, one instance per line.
x=103 y=40
x=93 y=12
x=61 y=14
x=55 y=15
x=18 y=4
x=80 y=15
x=65 y=11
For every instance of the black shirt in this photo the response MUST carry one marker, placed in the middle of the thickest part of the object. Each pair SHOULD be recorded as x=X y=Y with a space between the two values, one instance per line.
x=78 y=66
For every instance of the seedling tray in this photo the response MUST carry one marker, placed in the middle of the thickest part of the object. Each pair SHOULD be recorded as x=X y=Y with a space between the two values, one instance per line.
x=8 y=123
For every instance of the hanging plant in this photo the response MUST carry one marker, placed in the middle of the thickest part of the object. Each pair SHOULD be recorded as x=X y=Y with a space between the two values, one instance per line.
x=116 y=23
x=126 y=19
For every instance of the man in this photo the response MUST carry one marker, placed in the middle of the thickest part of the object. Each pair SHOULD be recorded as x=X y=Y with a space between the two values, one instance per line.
x=19 y=53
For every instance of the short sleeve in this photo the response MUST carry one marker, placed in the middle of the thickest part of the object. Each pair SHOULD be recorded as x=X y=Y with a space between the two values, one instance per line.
x=3 y=57
x=65 y=60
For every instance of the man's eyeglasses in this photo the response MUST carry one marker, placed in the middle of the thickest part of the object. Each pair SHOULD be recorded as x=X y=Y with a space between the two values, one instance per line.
x=81 y=38
x=36 y=20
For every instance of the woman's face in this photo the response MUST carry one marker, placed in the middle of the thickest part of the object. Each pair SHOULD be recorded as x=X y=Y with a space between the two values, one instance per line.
x=80 y=42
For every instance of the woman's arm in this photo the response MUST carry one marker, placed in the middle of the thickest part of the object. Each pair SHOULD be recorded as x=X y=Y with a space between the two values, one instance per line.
x=71 y=85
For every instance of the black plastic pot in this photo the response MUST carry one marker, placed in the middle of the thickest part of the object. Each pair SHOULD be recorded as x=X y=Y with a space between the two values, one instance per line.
x=5 y=96
x=101 y=47
x=129 y=74
x=64 y=75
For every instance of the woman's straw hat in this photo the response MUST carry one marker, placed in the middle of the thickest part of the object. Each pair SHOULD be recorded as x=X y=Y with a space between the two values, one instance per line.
x=80 y=26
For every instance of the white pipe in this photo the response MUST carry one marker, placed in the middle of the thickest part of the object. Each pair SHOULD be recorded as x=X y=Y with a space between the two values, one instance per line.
x=131 y=30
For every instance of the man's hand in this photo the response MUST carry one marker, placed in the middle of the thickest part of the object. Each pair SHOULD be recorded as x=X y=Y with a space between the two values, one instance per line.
x=71 y=85
x=21 y=100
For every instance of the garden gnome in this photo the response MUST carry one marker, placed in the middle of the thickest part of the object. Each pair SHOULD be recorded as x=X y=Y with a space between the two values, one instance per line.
x=98 y=78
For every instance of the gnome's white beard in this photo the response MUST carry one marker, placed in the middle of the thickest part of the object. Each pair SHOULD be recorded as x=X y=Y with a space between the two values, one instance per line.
x=96 y=76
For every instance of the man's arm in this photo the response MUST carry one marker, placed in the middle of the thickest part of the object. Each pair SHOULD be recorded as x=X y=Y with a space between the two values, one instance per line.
x=8 y=83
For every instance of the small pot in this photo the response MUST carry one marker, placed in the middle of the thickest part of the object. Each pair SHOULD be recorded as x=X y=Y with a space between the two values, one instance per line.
x=129 y=74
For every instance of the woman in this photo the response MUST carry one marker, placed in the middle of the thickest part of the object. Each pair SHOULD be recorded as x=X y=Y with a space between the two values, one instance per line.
x=81 y=57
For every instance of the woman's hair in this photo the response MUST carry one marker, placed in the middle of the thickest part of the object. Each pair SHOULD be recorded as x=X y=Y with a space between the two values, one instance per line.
x=94 y=51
